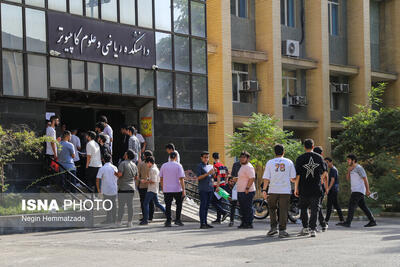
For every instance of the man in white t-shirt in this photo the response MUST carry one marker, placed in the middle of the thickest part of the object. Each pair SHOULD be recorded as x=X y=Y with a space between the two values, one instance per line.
x=107 y=129
x=109 y=187
x=142 y=141
x=278 y=174
x=93 y=161
x=77 y=144
x=51 y=147
x=359 y=187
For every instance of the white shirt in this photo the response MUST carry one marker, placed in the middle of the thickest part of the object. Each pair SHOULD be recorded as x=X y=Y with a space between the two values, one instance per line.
x=93 y=150
x=109 y=131
x=154 y=176
x=140 y=137
x=356 y=179
x=51 y=132
x=279 y=171
x=109 y=185
x=178 y=158
x=77 y=143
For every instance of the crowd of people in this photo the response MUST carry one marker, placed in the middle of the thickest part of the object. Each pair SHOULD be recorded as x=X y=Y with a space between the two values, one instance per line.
x=310 y=178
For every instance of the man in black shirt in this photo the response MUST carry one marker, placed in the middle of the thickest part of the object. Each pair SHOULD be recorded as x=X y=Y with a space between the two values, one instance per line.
x=333 y=190
x=309 y=168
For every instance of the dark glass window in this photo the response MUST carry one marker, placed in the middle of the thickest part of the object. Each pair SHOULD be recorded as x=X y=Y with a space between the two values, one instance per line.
x=58 y=72
x=109 y=10
x=164 y=89
x=162 y=10
x=145 y=14
x=39 y=3
x=146 y=79
x=129 y=81
x=288 y=13
x=127 y=11
x=199 y=85
x=92 y=8
x=164 y=50
x=198 y=19
x=60 y=5
x=75 y=7
x=181 y=53
x=182 y=91
x=35 y=30
x=93 y=76
x=11 y=26
x=78 y=74
x=199 y=64
x=13 y=74
x=181 y=16
x=37 y=76
x=110 y=78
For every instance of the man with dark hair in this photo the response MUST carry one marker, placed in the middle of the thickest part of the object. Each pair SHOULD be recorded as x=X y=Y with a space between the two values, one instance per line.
x=66 y=157
x=205 y=180
x=141 y=139
x=134 y=143
x=219 y=180
x=172 y=178
x=324 y=181
x=171 y=148
x=76 y=141
x=246 y=190
x=51 y=147
x=107 y=129
x=230 y=188
x=100 y=126
x=104 y=147
x=93 y=159
x=309 y=168
x=143 y=170
x=127 y=175
x=109 y=187
x=125 y=141
x=333 y=190
x=279 y=173
x=359 y=187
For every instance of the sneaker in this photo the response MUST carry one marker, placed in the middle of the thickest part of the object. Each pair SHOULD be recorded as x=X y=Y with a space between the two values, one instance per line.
x=249 y=226
x=224 y=217
x=272 y=232
x=313 y=233
x=344 y=224
x=209 y=226
x=143 y=223
x=216 y=222
x=231 y=224
x=167 y=224
x=203 y=226
x=283 y=234
x=179 y=223
x=129 y=224
x=304 y=232
x=371 y=224
x=150 y=220
x=325 y=228
x=242 y=226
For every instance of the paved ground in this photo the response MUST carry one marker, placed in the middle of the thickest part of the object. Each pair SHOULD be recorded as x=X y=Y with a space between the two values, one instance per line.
x=221 y=246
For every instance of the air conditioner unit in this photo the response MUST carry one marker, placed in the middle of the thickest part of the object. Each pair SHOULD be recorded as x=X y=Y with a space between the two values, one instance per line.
x=250 y=85
x=297 y=101
x=341 y=88
x=291 y=48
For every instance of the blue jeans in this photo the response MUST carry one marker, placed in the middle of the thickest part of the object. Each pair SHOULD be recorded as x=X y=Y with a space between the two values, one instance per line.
x=149 y=197
x=205 y=199
x=246 y=207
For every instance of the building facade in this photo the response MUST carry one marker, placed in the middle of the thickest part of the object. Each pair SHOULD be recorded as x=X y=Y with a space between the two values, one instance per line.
x=308 y=63
x=139 y=62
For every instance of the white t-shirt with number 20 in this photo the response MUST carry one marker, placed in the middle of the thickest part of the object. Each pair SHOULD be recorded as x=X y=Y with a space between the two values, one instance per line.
x=279 y=171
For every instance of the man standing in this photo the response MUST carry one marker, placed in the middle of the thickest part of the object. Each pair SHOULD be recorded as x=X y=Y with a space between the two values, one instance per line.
x=109 y=187
x=278 y=174
x=93 y=161
x=205 y=179
x=171 y=148
x=333 y=190
x=246 y=190
x=143 y=176
x=219 y=180
x=100 y=126
x=230 y=188
x=324 y=182
x=134 y=143
x=107 y=129
x=51 y=147
x=104 y=147
x=124 y=142
x=142 y=141
x=77 y=146
x=66 y=159
x=172 y=178
x=309 y=168
x=127 y=175
x=359 y=187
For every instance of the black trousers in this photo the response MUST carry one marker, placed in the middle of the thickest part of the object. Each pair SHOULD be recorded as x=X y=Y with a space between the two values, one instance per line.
x=357 y=198
x=217 y=204
x=168 y=198
x=246 y=207
x=142 y=195
x=91 y=174
x=321 y=217
x=233 y=210
x=111 y=214
x=312 y=202
x=333 y=203
x=125 y=197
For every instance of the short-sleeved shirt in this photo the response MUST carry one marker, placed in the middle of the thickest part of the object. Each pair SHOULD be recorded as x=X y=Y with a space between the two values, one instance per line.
x=333 y=173
x=246 y=172
x=77 y=143
x=171 y=172
x=235 y=169
x=50 y=132
x=221 y=171
x=178 y=157
x=109 y=131
x=108 y=179
x=129 y=172
x=356 y=179
x=154 y=176
x=143 y=173
x=134 y=144
x=279 y=171
x=310 y=166
x=65 y=155
x=140 y=138
x=93 y=150
x=205 y=184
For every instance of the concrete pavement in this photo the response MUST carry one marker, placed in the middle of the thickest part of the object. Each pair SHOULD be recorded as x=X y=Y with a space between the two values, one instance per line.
x=222 y=246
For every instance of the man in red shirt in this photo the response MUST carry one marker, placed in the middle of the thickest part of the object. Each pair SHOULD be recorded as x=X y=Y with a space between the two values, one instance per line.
x=219 y=176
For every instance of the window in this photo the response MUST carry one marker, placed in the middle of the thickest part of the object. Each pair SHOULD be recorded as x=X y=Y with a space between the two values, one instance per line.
x=181 y=16
x=162 y=10
x=93 y=76
x=289 y=86
x=199 y=85
x=287 y=13
x=35 y=30
x=127 y=12
x=181 y=53
x=75 y=7
x=333 y=16
x=239 y=75
x=163 y=50
x=145 y=13
x=92 y=8
x=109 y=10
x=13 y=74
x=129 y=81
x=37 y=76
x=199 y=56
x=239 y=8
x=146 y=82
x=164 y=89
x=58 y=72
x=11 y=26
x=110 y=78
x=60 y=5
x=78 y=74
x=39 y=3
x=198 y=19
x=182 y=91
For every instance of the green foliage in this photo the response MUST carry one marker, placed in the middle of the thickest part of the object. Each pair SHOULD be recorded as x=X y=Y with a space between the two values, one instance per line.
x=258 y=137
x=375 y=96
